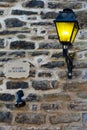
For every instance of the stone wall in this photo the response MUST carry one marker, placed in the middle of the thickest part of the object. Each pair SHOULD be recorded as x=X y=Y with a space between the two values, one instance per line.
x=28 y=35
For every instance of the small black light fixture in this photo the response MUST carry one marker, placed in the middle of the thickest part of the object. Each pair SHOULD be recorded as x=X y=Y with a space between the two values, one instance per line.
x=67 y=27
x=19 y=101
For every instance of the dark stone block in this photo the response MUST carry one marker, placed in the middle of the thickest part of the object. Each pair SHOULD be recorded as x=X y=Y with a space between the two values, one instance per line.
x=32 y=73
x=55 y=84
x=53 y=64
x=80 y=64
x=1 y=12
x=57 y=55
x=53 y=37
x=23 y=12
x=42 y=24
x=1 y=43
x=17 y=54
x=31 y=118
x=65 y=118
x=14 y=22
x=5 y=117
x=22 y=45
x=41 y=85
x=32 y=98
x=45 y=45
x=48 y=107
x=62 y=5
x=44 y=74
x=34 y=4
x=56 y=97
x=6 y=32
x=37 y=53
x=17 y=85
x=6 y=97
x=3 y=53
x=49 y=15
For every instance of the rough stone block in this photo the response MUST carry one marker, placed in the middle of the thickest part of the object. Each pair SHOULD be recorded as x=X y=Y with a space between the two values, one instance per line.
x=23 y=12
x=65 y=118
x=53 y=64
x=45 y=45
x=6 y=97
x=17 y=85
x=56 y=97
x=49 y=15
x=22 y=45
x=31 y=118
x=6 y=117
x=34 y=4
x=14 y=22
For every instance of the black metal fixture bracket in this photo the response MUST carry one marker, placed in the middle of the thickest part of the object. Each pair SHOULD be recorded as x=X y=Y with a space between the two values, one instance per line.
x=19 y=101
x=69 y=60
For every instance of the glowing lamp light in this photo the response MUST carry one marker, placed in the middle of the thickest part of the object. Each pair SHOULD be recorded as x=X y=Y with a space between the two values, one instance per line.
x=66 y=26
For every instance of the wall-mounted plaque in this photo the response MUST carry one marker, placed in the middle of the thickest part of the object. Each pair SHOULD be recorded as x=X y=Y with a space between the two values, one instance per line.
x=17 y=69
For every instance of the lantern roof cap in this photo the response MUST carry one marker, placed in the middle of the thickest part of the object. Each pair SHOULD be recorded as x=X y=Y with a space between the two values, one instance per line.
x=67 y=15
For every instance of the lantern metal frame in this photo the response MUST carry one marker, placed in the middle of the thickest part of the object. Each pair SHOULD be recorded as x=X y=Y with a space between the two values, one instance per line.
x=67 y=16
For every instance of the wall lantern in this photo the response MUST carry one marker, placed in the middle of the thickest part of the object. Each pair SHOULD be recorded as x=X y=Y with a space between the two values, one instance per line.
x=67 y=27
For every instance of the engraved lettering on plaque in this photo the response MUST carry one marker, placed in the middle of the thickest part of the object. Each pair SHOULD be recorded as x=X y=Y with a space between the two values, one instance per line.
x=17 y=69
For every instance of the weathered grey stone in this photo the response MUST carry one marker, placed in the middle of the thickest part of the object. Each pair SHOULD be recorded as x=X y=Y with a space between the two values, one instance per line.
x=84 y=118
x=56 y=97
x=53 y=64
x=22 y=45
x=45 y=74
x=71 y=5
x=31 y=118
x=53 y=37
x=3 y=54
x=14 y=22
x=57 y=55
x=80 y=64
x=17 y=85
x=65 y=118
x=55 y=84
x=2 y=43
x=49 y=15
x=34 y=4
x=50 y=107
x=82 y=94
x=23 y=12
x=37 y=38
x=6 y=97
x=82 y=19
x=42 y=24
x=6 y=117
x=75 y=87
x=78 y=106
x=44 y=45
x=41 y=85
x=32 y=97
x=7 y=32
x=37 y=53
x=16 y=54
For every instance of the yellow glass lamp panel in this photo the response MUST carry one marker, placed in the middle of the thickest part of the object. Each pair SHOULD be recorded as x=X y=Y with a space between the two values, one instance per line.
x=64 y=30
x=74 y=34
